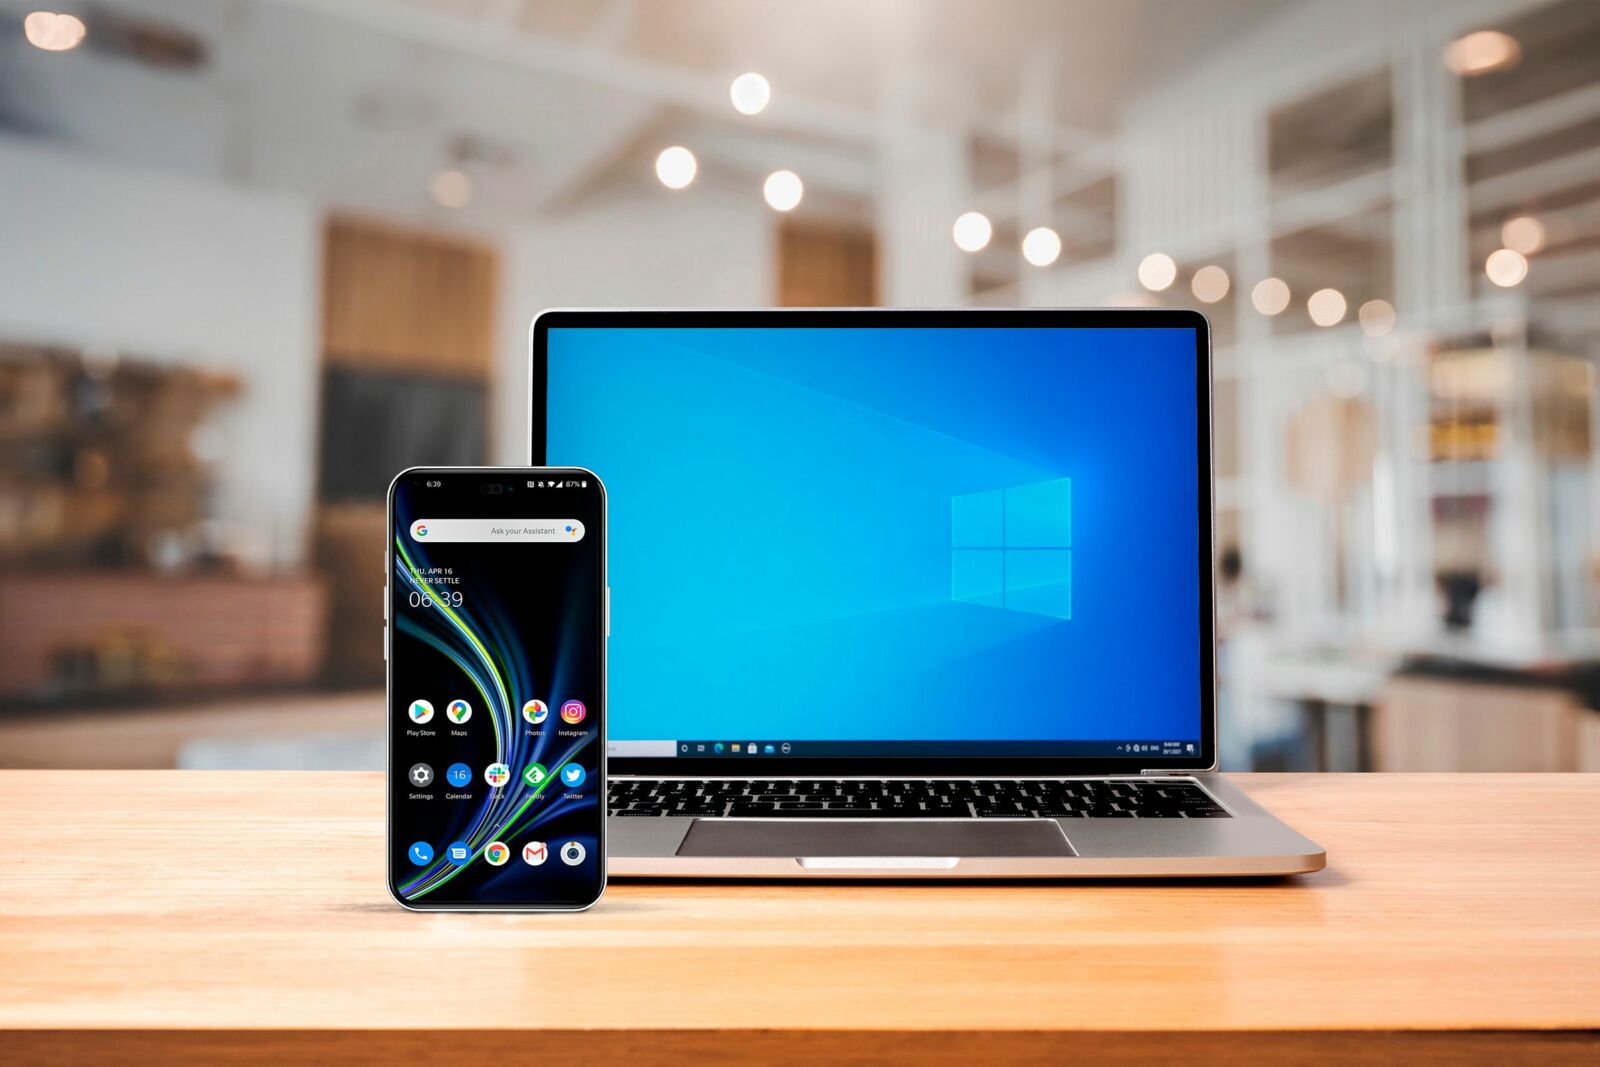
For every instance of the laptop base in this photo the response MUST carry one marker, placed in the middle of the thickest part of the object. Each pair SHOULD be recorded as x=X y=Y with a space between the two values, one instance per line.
x=1252 y=843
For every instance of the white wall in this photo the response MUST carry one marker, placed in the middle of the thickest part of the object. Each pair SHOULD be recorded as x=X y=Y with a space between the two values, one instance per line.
x=699 y=251
x=169 y=270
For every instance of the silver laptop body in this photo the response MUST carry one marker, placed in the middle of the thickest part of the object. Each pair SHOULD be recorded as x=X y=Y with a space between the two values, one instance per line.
x=1134 y=810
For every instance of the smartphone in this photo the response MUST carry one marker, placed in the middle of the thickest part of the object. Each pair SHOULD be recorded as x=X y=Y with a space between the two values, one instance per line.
x=495 y=640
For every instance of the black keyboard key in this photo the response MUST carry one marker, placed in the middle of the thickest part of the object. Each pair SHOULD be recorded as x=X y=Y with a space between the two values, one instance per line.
x=739 y=807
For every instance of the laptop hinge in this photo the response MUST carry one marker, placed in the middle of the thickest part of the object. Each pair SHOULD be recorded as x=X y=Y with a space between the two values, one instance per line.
x=1168 y=772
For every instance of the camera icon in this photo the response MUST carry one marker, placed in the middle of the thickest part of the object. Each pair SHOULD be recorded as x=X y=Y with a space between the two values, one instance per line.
x=572 y=853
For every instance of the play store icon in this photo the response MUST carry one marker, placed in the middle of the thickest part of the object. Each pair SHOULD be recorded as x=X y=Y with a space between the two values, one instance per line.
x=422 y=711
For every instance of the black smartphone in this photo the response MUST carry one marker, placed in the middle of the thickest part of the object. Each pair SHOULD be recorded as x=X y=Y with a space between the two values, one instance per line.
x=495 y=638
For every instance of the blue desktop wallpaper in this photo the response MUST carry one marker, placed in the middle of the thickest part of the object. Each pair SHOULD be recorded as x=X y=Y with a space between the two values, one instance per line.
x=891 y=534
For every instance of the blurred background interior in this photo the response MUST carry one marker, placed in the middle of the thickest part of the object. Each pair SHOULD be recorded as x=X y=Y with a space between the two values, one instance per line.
x=256 y=255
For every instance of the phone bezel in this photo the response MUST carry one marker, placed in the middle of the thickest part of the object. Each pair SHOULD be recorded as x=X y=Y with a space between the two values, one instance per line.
x=603 y=625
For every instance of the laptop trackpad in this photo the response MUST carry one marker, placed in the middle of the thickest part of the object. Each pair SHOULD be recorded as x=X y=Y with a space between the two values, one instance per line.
x=838 y=837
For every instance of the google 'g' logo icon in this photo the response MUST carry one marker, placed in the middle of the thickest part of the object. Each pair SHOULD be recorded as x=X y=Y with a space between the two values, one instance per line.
x=420 y=530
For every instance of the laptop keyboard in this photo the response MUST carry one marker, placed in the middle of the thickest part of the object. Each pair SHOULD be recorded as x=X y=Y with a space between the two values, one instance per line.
x=1111 y=798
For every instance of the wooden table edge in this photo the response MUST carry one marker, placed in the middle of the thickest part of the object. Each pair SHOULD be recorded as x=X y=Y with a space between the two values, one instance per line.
x=424 y=1047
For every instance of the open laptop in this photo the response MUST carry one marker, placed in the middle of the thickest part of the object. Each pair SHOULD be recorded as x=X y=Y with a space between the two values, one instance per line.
x=906 y=593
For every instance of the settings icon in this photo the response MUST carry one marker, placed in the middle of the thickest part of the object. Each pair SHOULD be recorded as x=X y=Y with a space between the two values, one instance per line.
x=421 y=775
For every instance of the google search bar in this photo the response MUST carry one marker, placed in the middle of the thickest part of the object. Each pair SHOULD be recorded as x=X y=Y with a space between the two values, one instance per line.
x=502 y=531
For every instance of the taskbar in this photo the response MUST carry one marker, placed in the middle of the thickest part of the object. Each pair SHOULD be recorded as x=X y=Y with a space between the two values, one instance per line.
x=762 y=749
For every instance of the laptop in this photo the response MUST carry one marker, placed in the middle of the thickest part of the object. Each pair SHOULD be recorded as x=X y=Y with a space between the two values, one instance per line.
x=906 y=594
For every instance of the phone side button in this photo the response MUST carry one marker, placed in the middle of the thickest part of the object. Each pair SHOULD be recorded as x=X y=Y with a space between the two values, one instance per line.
x=608 y=611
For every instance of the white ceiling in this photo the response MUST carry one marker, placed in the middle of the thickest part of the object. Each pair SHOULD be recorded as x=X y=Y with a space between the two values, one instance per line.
x=357 y=102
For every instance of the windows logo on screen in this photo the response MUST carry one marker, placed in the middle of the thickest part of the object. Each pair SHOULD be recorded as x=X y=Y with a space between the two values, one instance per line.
x=1012 y=548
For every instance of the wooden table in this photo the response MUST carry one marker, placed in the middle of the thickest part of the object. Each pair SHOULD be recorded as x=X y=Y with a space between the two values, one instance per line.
x=241 y=917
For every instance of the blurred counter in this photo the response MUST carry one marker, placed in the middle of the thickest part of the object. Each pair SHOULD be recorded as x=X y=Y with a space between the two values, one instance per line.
x=87 y=636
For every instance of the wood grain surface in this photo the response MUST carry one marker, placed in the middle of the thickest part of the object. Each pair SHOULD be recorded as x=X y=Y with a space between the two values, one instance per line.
x=243 y=917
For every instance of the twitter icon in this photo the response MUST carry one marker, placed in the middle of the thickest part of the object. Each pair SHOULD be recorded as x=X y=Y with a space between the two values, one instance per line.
x=572 y=776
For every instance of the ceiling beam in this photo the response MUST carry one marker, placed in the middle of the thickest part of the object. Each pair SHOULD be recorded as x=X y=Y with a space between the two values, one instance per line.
x=566 y=175
x=1317 y=207
x=1525 y=123
x=595 y=63
x=1519 y=186
x=660 y=82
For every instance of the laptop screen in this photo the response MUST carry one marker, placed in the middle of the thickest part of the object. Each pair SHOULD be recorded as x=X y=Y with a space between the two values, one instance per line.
x=894 y=541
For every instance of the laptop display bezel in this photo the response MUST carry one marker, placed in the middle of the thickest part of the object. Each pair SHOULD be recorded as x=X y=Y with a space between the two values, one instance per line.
x=973 y=766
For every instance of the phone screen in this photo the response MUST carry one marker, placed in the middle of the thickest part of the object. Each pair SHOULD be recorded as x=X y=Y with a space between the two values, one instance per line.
x=496 y=652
